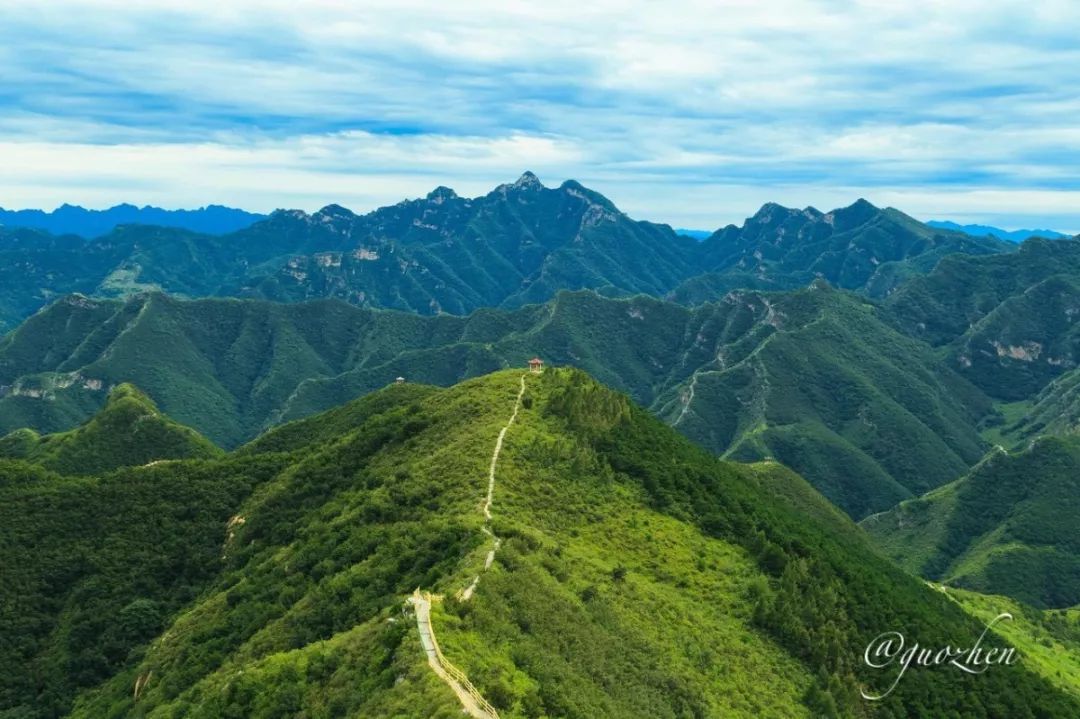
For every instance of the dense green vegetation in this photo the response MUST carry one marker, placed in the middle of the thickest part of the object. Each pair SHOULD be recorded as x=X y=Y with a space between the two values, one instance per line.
x=639 y=576
x=812 y=377
x=1055 y=410
x=129 y=431
x=1008 y=527
x=521 y=243
x=1005 y=321
x=94 y=568
x=36 y=268
x=866 y=415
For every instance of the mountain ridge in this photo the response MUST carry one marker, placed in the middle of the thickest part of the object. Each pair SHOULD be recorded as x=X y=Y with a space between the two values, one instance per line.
x=989 y=231
x=76 y=220
x=518 y=244
x=128 y=430
x=620 y=538
x=1005 y=527
x=735 y=375
x=1004 y=321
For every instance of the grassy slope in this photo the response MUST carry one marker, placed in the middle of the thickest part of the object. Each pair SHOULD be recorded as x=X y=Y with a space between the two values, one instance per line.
x=1054 y=410
x=912 y=532
x=1004 y=429
x=1047 y=640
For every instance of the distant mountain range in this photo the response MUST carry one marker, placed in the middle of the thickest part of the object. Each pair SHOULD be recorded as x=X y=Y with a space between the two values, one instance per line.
x=988 y=231
x=75 y=220
x=519 y=244
x=219 y=220
x=973 y=230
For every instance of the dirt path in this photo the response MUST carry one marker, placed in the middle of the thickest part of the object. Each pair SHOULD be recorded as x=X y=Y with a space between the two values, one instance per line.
x=486 y=529
x=471 y=700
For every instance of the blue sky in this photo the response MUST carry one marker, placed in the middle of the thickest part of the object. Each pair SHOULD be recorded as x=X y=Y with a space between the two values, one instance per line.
x=693 y=113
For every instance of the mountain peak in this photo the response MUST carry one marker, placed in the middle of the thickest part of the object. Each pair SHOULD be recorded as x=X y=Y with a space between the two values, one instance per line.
x=862 y=205
x=334 y=210
x=441 y=194
x=857 y=213
x=528 y=180
x=126 y=390
x=767 y=211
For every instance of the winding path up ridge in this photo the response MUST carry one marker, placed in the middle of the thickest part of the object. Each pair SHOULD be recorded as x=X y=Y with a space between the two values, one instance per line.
x=471 y=700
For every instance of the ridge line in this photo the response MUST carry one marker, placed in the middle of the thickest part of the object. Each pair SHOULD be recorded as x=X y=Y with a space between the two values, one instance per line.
x=472 y=701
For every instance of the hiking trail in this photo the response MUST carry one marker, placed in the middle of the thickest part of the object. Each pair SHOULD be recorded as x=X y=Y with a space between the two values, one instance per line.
x=471 y=700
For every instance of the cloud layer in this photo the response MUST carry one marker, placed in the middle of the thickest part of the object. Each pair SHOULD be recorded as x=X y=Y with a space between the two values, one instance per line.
x=693 y=112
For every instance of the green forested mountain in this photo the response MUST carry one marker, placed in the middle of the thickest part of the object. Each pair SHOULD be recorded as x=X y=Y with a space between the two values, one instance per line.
x=860 y=247
x=636 y=575
x=519 y=244
x=95 y=567
x=850 y=360
x=1007 y=527
x=820 y=383
x=37 y=268
x=128 y=431
x=810 y=377
x=1006 y=321
x=1054 y=411
x=1008 y=324
x=443 y=253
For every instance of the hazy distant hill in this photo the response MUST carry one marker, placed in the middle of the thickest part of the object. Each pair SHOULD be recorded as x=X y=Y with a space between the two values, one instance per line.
x=75 y=220
x=696 y=234
x=988 y=231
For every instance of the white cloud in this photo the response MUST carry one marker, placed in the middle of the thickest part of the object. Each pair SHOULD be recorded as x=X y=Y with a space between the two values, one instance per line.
x=692 y=112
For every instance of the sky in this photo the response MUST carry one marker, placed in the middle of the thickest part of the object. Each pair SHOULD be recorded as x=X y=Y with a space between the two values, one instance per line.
x=691 y=113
